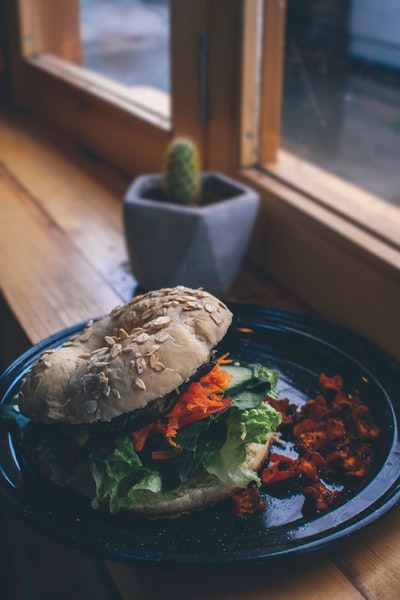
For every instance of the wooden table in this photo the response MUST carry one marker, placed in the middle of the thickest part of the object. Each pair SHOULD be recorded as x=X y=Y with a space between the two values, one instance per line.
x=63 y=260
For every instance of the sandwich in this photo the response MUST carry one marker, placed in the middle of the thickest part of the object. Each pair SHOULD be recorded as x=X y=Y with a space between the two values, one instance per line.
x=139 y=412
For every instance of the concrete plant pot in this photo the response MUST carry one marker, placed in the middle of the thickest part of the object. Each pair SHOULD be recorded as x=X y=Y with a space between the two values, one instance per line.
x=197 y=246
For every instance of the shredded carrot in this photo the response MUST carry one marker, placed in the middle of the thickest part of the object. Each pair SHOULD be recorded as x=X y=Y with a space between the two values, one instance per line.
x=166 y=454
x=139 y=437
x=224 y=360
x=201 y=399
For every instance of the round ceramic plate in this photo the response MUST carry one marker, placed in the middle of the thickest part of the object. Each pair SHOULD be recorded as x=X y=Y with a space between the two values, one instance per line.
x=300 y=348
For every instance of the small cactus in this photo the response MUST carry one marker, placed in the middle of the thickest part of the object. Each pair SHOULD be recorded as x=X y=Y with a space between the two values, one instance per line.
x=181 y=172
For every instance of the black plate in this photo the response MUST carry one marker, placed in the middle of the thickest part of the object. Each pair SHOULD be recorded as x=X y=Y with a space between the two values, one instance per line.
x=300 y=348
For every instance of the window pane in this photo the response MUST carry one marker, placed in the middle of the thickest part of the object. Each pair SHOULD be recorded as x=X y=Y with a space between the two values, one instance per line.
x=341 y=105
x=127 y=40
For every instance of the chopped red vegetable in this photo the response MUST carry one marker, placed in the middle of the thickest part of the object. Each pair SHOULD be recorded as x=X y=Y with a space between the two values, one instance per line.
x=327 y=384
x=287 y=411
x=349 y=464
x=342 y=403
x=321 y=497
x=336 y=430
x=248 y=501
x=333 y=435
x=311 y=465
x=317 y=408
x=311 y=441
x=281 y=467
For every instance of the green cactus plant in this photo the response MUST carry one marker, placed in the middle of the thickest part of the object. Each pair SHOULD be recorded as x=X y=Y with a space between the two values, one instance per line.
x=181 y=172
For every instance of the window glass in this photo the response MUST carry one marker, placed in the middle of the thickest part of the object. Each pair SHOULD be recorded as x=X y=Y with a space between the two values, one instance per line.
x=127 y=40
x=341 y=90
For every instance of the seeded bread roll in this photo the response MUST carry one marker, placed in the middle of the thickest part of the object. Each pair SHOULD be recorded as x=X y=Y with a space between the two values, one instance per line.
x=122 y=362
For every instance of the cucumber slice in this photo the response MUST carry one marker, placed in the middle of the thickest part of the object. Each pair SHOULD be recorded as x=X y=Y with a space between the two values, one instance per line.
x=242 y=377
x=252 y=377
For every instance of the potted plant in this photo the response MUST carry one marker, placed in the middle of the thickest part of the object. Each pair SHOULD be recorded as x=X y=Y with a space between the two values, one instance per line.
x=184 y=227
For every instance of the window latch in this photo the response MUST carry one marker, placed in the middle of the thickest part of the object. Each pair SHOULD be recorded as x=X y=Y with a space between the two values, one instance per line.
x=203 y=77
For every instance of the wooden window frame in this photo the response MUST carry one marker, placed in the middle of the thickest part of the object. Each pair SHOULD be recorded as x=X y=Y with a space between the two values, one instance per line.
x=368 y=211
x=90 y=109
x=304 y=236
x=335 y=245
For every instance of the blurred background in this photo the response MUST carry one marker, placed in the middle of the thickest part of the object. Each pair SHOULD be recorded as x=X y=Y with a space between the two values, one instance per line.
x=341 y=94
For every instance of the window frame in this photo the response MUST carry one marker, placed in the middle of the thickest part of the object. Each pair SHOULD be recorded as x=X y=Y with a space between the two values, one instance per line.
x=368 y=211
x=333 y=244
x=92 y=110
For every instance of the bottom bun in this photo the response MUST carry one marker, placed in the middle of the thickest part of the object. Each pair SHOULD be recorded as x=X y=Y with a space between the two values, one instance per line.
x=199 y=491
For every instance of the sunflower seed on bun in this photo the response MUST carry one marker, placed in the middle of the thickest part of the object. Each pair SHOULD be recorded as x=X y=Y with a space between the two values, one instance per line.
x=124 y=361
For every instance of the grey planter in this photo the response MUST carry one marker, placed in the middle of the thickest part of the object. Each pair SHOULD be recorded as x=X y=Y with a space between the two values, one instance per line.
x=170 y=244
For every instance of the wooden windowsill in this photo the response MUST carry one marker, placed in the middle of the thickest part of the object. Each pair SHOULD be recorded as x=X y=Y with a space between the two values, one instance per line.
x=371 y=213
x=327 y=214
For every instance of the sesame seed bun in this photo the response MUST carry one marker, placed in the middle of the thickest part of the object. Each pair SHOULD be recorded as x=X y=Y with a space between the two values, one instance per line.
x=122 y=362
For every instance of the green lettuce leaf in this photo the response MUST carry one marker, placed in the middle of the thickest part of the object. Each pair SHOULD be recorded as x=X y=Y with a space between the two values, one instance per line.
x=121 y=477
x=248 y=399
x=61 y=452
x=262 y=375
x=199 y=441
x=243 y=427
